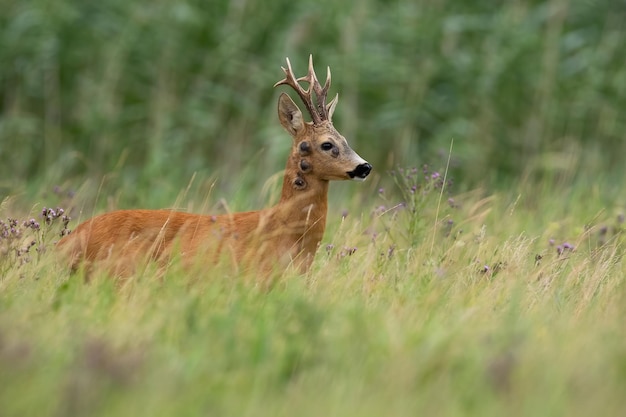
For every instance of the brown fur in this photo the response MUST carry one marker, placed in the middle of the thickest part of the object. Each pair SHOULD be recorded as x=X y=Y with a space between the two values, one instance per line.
x=286 y=234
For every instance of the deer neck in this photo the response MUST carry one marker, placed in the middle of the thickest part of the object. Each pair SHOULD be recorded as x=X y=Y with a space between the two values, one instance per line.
x=304 y=203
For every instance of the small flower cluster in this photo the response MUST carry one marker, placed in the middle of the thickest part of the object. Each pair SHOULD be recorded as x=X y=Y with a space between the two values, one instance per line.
x=50 y=215
x=32 y=224
x=383 y=209
x=605 y=233
x=422 y=190
x=63 y=193
x=12 y=242
x=417 y=184
x=598 y=236
x=346 y=251
x=562 y=248
x=390 y=251
x=10 y=229
x=491 y=270
x=414 y=179
x=17 y=238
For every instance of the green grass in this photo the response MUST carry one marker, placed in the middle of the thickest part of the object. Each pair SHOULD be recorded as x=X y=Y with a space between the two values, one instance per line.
x=410 y=323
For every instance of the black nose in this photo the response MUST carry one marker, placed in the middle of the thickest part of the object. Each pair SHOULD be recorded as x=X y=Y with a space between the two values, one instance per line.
x=361 y=171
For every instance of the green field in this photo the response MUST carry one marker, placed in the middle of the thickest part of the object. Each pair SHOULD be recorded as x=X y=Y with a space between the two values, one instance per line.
x=479 y=271
x=477 y=313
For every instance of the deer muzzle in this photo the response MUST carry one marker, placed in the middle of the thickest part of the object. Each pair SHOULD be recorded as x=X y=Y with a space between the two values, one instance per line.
x=360 y=172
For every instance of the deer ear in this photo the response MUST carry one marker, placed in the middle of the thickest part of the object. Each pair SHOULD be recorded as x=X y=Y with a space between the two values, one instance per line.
x=330 y=107
x=290 y=115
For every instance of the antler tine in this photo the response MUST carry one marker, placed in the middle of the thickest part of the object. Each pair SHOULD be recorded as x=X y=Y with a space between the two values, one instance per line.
x=318 y=112
x=305 y=95
x=327 y=83
x=320 y=92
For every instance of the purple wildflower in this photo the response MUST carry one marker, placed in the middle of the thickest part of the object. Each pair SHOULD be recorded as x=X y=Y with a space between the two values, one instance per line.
x=380 y=210
x=347 y=251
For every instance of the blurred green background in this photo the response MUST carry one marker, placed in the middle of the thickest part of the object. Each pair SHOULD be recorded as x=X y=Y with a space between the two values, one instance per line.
x=157 y=91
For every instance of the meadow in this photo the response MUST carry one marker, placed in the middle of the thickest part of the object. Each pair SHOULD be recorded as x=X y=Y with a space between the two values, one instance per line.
x=432 y=303
x=478 y=271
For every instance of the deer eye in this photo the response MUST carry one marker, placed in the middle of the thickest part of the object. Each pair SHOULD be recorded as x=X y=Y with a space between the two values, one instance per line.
x=327 y=146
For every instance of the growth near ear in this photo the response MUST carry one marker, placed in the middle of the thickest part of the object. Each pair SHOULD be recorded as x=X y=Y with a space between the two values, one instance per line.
x=290 y=115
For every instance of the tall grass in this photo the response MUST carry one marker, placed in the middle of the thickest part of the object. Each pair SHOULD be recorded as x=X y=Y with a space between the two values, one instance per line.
x=515 y=310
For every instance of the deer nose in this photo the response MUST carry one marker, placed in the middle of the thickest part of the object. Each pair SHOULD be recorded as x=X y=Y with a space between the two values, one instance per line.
x=360 y=172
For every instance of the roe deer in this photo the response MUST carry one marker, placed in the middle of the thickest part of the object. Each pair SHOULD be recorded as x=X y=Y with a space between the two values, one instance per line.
x=286 y=234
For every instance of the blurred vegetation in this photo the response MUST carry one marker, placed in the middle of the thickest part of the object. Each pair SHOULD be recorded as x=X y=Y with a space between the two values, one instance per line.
x=159 y=91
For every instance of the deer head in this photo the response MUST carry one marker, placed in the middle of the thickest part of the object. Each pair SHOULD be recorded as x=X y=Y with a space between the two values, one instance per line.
x=318 y=149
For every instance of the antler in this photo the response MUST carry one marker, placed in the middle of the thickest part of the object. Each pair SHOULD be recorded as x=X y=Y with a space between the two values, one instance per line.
x=318 y=112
